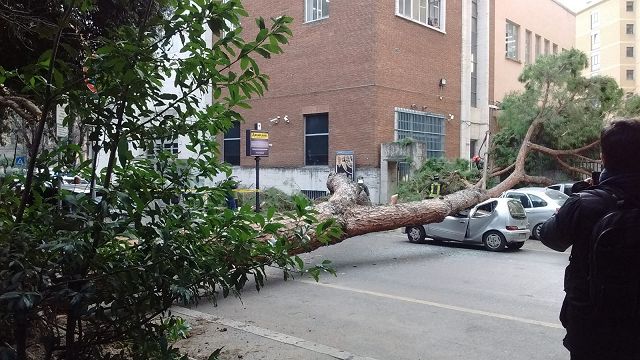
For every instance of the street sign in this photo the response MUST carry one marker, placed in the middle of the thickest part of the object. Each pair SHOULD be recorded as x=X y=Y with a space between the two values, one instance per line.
x=257 y=143
x=61 y=130
x=21 y=161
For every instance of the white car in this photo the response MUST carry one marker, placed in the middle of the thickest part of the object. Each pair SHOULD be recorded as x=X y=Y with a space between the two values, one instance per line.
x=539 y=203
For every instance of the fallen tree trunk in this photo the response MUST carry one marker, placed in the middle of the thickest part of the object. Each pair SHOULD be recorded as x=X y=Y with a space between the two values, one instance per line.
x=355 y=219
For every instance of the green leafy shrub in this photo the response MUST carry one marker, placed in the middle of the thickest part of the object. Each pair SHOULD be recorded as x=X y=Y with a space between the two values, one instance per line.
x=85 y=277
x=450 y=174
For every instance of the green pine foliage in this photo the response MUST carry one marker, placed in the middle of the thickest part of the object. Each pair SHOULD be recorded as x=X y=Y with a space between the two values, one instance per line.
x=571 y=106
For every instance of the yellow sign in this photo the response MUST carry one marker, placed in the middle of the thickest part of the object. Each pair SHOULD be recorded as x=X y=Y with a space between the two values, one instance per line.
x=259 y=135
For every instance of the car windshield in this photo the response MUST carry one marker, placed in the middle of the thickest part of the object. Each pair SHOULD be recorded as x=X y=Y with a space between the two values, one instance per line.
x=557 y=196
x=516 y=210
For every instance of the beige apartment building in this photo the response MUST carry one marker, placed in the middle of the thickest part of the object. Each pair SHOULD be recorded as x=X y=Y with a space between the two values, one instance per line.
x=605 y=31
x=500 y=37
x=524 y=30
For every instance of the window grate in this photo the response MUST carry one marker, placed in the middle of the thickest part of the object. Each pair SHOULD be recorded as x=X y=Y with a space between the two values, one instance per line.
x=313 y=194
x=424 y=127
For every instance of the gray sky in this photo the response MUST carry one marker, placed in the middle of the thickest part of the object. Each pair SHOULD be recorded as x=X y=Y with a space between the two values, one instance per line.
x=574 y=5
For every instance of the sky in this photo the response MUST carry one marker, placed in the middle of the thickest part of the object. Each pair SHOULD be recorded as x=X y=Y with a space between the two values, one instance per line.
x=574 y=5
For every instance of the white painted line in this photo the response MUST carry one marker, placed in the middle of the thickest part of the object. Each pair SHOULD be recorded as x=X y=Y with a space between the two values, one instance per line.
x=269 y=334
x=438 y=305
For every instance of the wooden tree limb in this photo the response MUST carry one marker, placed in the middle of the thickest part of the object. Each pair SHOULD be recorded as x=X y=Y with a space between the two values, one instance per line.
x=503 y=171
x=16 y=108
x=346 y=207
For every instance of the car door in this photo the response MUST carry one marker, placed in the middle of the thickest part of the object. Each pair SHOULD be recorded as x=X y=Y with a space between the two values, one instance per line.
x=481 y=217
x=453 y=227
x=539 y=211
x=526 y=204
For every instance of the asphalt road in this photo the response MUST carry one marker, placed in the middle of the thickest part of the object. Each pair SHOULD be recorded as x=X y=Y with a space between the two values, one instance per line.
x=397 y=300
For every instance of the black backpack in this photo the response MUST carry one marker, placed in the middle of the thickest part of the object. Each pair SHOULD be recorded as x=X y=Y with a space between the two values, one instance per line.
x=614 y=261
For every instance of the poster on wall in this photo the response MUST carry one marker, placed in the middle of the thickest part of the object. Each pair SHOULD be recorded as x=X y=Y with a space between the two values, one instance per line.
x=345 y=163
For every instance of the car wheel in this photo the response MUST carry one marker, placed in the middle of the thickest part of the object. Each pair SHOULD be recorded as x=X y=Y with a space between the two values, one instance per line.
x=515 y=246
x=494 y=241
x=535 y=233
x=416 y=234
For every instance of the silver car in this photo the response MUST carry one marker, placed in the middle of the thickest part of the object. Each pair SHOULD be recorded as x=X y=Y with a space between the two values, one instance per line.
x=564 y=187
x=539 y=203
x=496 y=223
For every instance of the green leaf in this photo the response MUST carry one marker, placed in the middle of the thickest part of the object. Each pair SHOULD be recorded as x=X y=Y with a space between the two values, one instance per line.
x=45 y=59
x=124 y=154
x=244 y=63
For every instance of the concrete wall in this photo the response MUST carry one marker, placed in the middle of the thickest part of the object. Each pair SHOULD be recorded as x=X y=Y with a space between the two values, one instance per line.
x=292 y=180
x=474 y=121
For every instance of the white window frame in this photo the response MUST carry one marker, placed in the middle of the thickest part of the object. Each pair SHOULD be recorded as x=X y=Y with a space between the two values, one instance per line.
x=547 y=47
x=515 y=48
x=595 y=40
x=319 y=14
x=595 y=20
x=595 y=62
x=418 y=18
x=527 y=47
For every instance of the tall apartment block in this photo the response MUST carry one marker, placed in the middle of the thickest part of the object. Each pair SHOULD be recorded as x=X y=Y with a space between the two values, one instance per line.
x=606 y=32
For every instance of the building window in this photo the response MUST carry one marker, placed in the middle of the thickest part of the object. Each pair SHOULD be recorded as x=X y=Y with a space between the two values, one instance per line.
x=630 y=6
x=165 y=145
x=316 y=10
x=630 y=29
x=595 y=20
x=421 y=126
x=630 y=51
x=426 y=12
x=316 y=139
x=473 y=147
x=231 y=145
x=555 y=48
x=595 y=41
x=547 y=47
x=527 y=48
x=511 y=41
x=538 y=46
x=595 y=62
x=630 y=75
x=474 y=53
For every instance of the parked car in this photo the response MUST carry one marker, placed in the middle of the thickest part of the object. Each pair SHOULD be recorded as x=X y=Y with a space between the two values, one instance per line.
x=539 y=203
x=496 y=223
x=563 y=187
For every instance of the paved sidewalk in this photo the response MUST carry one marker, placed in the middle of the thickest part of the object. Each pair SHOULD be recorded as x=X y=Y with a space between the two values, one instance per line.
x=248 y=342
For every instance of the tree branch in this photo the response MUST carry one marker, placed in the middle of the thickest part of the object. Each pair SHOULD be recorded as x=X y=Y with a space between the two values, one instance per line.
x=502 y=171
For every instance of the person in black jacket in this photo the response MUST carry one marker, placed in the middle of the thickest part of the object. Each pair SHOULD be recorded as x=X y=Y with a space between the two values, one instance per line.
x=588 y=336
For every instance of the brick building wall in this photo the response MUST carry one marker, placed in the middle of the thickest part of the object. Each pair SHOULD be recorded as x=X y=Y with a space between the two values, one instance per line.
x=411 y=59
x=357 y=65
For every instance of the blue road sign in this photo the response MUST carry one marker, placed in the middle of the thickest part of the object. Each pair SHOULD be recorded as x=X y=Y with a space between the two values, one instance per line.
x=21 y=160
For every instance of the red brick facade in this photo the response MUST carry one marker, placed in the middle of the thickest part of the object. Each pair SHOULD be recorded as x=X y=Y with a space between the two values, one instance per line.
x=357 y=66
